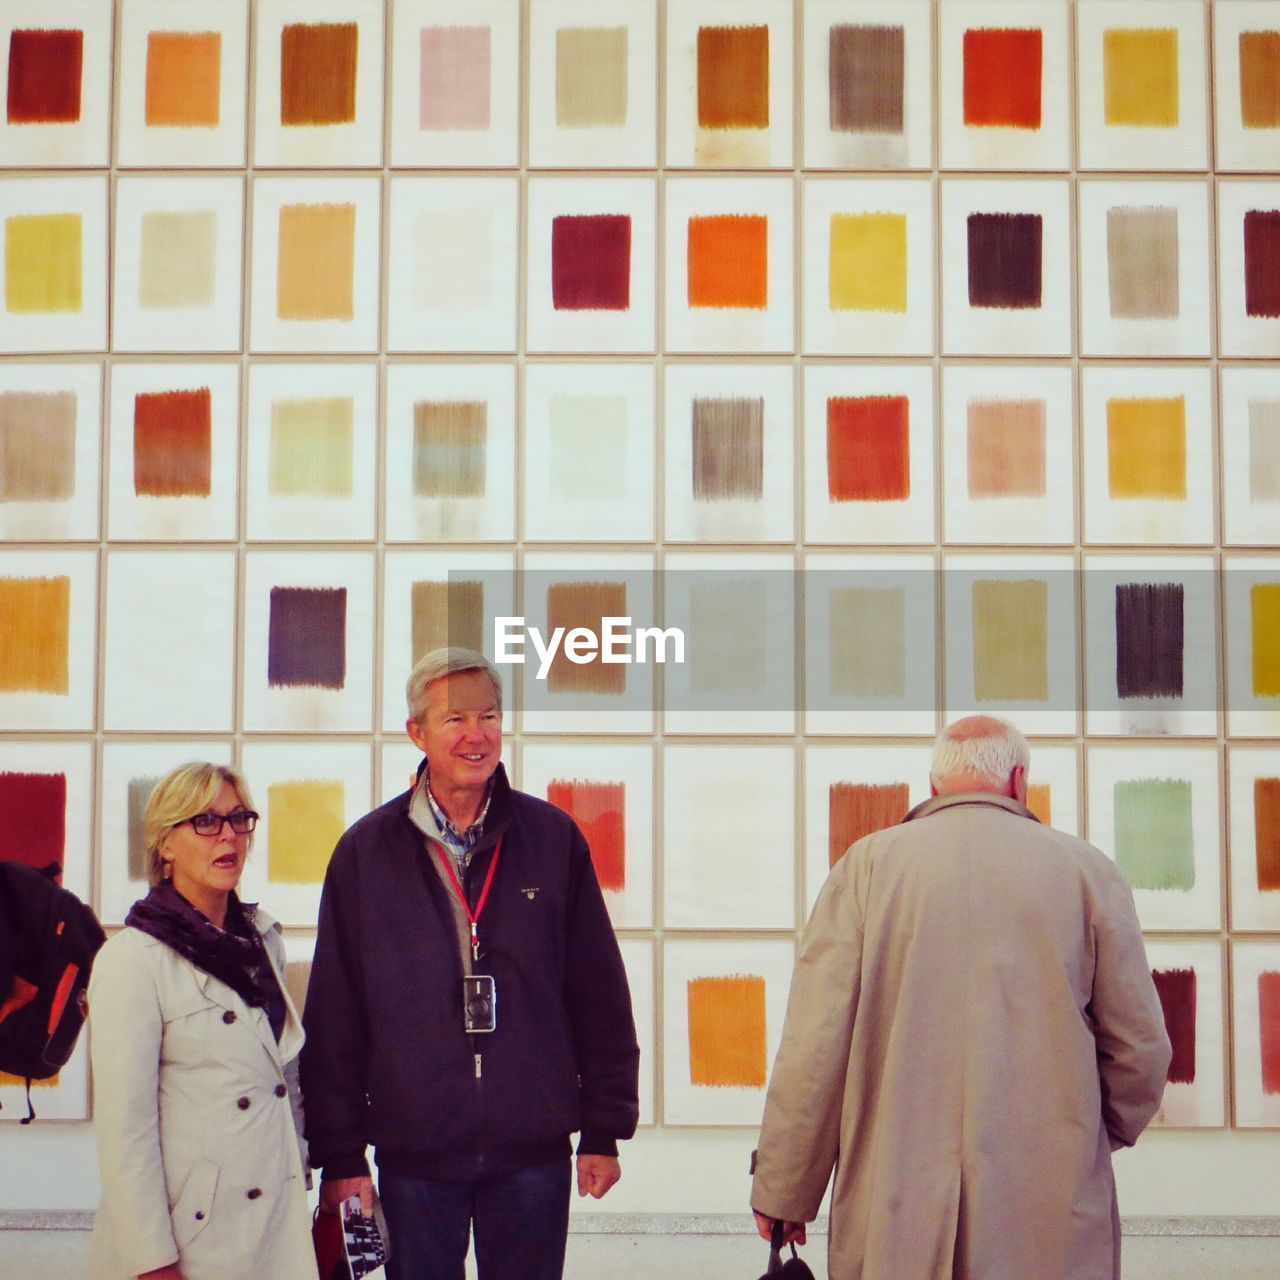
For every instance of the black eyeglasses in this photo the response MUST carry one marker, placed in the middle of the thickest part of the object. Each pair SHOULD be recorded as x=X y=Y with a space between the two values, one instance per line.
x=242 y=821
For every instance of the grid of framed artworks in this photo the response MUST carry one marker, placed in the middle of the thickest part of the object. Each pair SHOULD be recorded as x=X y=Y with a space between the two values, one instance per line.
x=914 y=359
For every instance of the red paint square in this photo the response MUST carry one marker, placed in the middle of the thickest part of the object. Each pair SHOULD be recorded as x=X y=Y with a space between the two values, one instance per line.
x=591 y=262
x=867 y=458
x=1262 y=262
x=1002 y=71
x=44 y=76
x=33 y=818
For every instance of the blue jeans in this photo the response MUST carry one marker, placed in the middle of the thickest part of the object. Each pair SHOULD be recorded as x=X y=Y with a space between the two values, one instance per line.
x=520 y=1221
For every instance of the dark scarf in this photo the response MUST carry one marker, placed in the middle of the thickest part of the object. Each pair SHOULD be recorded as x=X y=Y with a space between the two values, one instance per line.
x=235 y=955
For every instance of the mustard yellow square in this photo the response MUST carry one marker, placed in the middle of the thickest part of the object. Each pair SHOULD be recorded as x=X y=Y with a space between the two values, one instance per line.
x=43 y=270
x=868 y=270
x=1140 y=77
x=1147 y=448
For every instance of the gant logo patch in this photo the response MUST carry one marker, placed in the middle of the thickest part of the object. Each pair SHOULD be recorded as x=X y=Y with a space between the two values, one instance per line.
x=531 y=893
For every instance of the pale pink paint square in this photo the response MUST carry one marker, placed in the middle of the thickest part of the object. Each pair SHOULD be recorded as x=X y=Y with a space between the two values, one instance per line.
x=454 y=78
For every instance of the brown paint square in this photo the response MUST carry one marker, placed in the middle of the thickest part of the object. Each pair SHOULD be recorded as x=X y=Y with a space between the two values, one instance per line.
x=1142 y=263
x=866 y=75
x=728 y=449
x=1005 y=260
x=1260 y=79
x=45 y=69
x=1262 y=262
x=318 y=73
x=585 y=604
x=733 y=77
x=37 y=446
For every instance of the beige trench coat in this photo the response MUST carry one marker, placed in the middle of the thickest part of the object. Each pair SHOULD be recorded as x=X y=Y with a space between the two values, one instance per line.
x=197 y=1114
x=972 y=1029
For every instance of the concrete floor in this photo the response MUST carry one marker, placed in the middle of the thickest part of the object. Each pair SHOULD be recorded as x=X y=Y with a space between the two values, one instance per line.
x=61 y=1255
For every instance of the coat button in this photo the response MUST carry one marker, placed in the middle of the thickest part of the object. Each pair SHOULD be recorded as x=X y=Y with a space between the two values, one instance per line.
x=243 y=1103
x=253 y=1193
x=281 y=1091
x=199 y=1215
x=229 y=1017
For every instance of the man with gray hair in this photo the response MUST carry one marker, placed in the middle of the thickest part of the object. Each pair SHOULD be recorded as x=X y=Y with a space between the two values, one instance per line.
x=972 y=1030
x=468 y=1009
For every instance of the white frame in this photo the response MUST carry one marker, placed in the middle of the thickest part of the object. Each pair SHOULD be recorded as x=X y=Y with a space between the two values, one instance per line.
x=829 y=712
x=1244 y=521
x=1148 y=521
x=1239 y=148
x=139 y=145
x=1007 y=331
x=161 y=673
x=1049 y=519
x=601 y=514
x=1103 y=146
x=74 y=760
x=771 y=518
x=1241 y=334
x=831 y=332
x=197 y=518
x=60 y=331
x=1187 y=333
x=1251 y=1109
x=1248 y=715
x=273 y=517
x=684 y=959
x=75 y=144
x=632 y=145
x=825 y=148
x=267 y=331
x=304 y=707
x=629 y=330
x=357 y=143
x=687 y=144
x=1201 y=907
x=730 y=329
x=74 y=710
x=449 y=321
x=488 y=517
x=212 y=328
x=495 y=147
x=78 y=519
x=1003 y=147
x=1252 y=910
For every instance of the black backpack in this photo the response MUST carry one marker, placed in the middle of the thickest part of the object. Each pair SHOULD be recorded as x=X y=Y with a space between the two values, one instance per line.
x=48 y=941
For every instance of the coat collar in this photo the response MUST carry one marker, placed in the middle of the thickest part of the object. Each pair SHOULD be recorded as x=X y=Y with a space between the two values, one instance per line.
x=936 y=804
x=222 y=995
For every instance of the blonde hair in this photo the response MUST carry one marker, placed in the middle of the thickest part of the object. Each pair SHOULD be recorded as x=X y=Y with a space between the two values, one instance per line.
x=189 y=789
x=438 y=663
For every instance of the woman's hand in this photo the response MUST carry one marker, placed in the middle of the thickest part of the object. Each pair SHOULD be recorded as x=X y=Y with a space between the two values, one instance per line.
x=170 y=1272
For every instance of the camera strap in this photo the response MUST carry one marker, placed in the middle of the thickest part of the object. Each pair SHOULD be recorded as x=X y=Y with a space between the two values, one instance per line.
x=473 y=917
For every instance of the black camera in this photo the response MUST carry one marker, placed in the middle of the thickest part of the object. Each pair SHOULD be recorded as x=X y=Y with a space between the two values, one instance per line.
x=479 y=1004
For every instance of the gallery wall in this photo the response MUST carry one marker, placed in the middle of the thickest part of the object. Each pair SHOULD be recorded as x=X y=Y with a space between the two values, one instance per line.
x=913 y=359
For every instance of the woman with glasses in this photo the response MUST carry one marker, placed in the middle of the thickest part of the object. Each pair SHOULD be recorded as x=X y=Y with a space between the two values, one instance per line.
x=194 y=1048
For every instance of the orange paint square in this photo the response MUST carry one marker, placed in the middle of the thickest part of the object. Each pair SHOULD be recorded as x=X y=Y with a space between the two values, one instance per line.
x=727 y=1031
x=315 y=273
x=184 y=72
x=728 y=257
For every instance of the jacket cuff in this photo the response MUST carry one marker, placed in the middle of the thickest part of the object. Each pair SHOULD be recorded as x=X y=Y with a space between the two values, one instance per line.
x=347 y=1166
x=592 y=1143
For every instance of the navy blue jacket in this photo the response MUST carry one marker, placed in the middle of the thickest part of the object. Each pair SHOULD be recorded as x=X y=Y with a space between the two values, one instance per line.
x=387 y=1061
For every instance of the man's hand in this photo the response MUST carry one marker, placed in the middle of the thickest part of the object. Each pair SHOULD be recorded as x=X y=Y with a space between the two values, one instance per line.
x=596 y=1174
x=792 y=1232
x=333 y=1191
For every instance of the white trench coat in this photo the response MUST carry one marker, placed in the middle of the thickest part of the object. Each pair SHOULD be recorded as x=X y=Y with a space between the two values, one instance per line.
x=198 y=1117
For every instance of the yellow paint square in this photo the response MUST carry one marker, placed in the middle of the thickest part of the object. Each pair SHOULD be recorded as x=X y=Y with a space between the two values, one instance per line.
x=43 y=267
x=1147 y=448
x=1140 y=77
x=868 y=269
x=1264 y=597
x=304 y=821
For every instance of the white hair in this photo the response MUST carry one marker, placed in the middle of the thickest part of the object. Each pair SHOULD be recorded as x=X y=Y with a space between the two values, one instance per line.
x=438 y=663
x=980 y=745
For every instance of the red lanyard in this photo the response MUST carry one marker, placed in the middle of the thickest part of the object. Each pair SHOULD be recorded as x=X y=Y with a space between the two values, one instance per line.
x=472 y=917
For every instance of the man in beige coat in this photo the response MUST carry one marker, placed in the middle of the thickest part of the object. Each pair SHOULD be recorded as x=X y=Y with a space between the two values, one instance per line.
x=972 y=1030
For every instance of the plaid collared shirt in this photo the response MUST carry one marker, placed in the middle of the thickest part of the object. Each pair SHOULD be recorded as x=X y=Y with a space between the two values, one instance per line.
x=460 y=843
